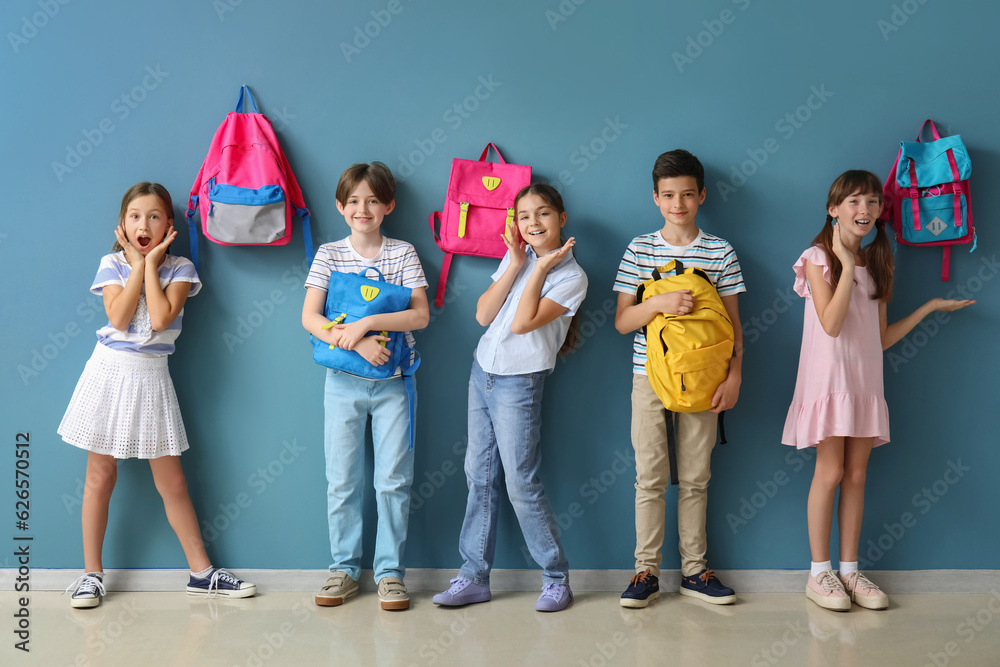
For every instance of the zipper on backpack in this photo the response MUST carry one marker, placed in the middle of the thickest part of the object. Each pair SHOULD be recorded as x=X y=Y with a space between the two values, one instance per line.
x=683 y=388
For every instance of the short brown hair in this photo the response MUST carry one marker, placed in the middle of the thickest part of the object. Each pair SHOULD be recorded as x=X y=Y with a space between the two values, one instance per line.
x=376 y=174
x=676 y=163
x=141 y=190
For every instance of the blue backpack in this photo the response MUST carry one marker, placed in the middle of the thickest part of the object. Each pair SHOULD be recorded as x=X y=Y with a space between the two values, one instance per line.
x=352 y=296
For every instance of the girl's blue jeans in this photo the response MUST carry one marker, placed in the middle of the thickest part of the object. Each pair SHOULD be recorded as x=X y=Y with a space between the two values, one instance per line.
x=504 y=433
x=348 y=402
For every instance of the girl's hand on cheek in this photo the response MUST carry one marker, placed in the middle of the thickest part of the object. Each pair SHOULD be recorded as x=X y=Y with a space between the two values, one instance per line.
x=132 y=256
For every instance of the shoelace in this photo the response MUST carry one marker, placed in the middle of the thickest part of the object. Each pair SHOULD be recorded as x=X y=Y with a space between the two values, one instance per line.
x=829 y=582
x=459 y=584
x=707 y=575
x=642 y=577
x=552 y=591
x=87 y=584
x=856 y=580
x=226 y=577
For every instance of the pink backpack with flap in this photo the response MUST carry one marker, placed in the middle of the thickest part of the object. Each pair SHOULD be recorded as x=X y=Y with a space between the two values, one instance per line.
x=476 y=210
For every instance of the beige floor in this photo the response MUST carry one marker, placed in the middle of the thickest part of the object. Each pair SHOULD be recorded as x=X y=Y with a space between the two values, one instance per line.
x=287 y=629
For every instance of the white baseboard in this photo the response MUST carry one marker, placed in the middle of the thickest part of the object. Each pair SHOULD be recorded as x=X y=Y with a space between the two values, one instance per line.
x=743 y=581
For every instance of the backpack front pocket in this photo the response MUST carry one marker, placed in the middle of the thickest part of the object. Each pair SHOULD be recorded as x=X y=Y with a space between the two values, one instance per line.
x=698 y=373
x=937 y=219
x=245 y=215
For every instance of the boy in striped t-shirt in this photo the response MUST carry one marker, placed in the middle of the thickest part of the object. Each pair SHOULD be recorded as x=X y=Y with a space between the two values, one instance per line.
x=365 y=195
x=678 y=190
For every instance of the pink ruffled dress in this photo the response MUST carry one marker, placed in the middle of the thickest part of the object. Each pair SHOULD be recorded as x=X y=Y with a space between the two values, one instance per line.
x=839 y=389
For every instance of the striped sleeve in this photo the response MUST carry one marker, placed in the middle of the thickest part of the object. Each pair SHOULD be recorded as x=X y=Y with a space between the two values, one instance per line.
x=111 y=272
x=319 y=271
x=730 y=278
x=181 y=271
x=411 y=272
x=627 y=279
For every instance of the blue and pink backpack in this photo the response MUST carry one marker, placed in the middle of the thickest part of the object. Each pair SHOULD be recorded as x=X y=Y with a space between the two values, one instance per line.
x=927 y=196
x=246 y=191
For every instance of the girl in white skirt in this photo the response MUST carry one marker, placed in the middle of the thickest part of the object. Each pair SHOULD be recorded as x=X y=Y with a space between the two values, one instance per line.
x=124 y=405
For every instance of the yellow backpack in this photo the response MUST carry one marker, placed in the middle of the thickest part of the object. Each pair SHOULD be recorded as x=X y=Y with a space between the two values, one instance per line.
x=687 y=356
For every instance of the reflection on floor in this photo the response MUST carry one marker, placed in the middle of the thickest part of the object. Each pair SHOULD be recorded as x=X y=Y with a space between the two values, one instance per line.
x=288 y=629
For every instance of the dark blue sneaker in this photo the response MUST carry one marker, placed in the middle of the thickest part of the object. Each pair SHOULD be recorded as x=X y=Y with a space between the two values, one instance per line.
x=220 y=582
x=643 y=589
x=706 y=586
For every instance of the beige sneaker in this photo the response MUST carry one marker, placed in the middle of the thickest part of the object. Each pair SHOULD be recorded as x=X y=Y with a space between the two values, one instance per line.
x=338 y=587
x=864 y=592
x=827 y=591
x=392 y=594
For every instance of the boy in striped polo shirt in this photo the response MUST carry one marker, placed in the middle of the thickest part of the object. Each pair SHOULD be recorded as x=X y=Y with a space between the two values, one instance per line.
x=365 y=195
x=678 y=190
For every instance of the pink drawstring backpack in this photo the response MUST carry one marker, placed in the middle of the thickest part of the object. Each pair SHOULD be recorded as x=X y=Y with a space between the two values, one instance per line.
x=246 y=191
x=476 y=210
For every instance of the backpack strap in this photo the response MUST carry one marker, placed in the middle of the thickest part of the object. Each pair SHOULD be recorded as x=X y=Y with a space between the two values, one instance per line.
x=443 y=280
x=239 y=102
x=407 y=368
x=303 y=213
x=192 y=229
x=482 y=158
x=672 y=446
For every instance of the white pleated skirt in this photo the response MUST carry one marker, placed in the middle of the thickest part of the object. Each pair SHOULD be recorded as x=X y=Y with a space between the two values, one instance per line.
x=125 y=406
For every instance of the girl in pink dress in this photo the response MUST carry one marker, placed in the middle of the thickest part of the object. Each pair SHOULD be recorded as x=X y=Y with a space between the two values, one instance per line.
x=839 y=406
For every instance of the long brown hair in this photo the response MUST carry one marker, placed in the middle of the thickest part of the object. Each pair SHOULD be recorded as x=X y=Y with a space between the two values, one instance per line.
x=140 y=190
x=878 y=253
x=552 y=197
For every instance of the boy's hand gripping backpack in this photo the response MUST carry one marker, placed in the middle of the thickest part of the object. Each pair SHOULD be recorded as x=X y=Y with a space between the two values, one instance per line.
x=246 y=191
x=927 y=196
x=350 y=297
x=477 y=210
x=687 y=356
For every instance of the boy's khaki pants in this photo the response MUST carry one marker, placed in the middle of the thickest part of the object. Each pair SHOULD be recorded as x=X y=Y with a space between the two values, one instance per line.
x=696 y=434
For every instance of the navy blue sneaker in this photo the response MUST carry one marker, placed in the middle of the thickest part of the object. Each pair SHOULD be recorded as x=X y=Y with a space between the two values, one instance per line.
x=706 y=586
x=220 y=582
x=643 y=589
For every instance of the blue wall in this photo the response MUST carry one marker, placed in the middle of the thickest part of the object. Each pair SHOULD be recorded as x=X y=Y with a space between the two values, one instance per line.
x=589 y=94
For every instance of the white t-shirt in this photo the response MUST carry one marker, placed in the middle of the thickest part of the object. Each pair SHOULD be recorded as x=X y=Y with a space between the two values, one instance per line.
x=140 y=337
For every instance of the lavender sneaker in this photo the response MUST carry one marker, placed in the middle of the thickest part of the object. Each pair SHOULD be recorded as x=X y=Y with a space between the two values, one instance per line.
x=463 y=591
x=554 y=597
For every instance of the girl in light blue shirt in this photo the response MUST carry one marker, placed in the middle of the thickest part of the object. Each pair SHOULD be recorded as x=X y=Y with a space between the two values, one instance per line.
x=530 y=310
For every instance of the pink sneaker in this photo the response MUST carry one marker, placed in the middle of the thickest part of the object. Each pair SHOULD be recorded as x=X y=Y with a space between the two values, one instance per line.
x=864 y=592
x=827 y=591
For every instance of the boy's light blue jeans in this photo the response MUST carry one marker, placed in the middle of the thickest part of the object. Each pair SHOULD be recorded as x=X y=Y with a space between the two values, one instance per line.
x=348 y=401
x=504 y=430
